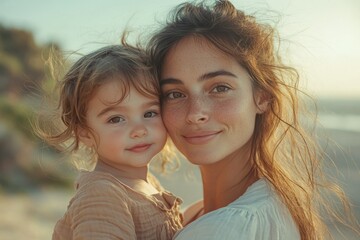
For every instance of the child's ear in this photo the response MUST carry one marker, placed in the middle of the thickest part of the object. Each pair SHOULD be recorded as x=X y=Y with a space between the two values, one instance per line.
x=85 y=137
x=262 y=100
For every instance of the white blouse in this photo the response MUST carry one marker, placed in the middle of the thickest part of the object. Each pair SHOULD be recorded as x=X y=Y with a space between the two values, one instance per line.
x=256 y=215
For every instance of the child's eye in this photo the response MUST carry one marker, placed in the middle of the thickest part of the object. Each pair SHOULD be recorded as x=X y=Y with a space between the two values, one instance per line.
x=150 y=114
x=174 y=95
x=220 y=89
x=116 y=119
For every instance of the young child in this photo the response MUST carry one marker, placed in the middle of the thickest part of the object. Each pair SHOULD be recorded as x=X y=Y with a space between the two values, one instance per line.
x=109 y=101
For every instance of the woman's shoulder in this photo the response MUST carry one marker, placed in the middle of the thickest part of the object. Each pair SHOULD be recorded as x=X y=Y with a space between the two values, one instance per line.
x=260 y=203
x=259 y=195
x=257 y=214
x=257 y=202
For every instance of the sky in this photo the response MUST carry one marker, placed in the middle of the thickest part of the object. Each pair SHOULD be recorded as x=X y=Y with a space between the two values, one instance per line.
x=323 y=35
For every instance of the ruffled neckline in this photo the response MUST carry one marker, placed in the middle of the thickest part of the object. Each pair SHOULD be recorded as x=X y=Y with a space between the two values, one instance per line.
x=158 y=199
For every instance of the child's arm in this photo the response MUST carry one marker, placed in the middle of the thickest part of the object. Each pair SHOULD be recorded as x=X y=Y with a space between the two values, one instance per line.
x=102 y=212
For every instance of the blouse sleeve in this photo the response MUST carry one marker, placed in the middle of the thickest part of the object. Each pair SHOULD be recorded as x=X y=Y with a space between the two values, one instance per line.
x=101 y=212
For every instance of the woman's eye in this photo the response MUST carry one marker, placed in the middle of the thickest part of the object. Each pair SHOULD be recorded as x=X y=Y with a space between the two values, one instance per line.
x=150 y=114
x=220 y=88
x=174 y=95
x=116 y=120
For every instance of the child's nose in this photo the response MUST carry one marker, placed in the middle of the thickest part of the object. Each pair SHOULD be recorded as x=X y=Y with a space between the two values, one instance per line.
x=138 y=132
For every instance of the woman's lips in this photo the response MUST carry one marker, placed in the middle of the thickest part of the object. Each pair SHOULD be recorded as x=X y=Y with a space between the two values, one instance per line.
x=201 y=137
x=139 y=148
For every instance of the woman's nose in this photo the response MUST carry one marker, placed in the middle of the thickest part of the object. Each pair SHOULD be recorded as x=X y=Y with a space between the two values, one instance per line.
x=197 y=111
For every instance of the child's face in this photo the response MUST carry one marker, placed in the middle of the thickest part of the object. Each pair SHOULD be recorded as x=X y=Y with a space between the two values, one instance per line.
x=129 y=133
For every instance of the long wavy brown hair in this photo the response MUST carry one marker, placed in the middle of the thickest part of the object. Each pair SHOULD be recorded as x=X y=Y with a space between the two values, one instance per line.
x=284 y=151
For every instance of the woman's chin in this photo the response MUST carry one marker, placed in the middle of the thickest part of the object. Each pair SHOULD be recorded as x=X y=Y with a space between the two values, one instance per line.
x=200 y=159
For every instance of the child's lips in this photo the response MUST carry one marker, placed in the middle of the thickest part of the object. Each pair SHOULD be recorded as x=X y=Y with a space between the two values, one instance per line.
x=139 y=148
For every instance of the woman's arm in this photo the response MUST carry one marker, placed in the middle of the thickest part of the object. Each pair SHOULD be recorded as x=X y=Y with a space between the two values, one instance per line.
x=193 y=212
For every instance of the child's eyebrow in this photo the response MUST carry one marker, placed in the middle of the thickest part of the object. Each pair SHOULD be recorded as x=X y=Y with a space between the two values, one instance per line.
x=108 y=109
x=152 y=103
x=117 y=107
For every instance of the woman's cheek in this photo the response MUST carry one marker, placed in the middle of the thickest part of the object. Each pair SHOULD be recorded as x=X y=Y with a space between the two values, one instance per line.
x=226 y=108
x=172 y=115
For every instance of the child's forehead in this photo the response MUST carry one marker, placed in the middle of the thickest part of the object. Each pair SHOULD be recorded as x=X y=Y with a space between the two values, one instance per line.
x=114 y=92
x=124 y=80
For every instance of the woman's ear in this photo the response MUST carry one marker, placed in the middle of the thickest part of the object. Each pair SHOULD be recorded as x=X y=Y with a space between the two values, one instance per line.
x=85 y=137
x=262 y=100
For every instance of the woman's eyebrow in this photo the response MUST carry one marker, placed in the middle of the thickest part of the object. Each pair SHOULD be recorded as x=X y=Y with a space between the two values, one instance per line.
x=170 y=81
x=203 y=77
x=210 y=75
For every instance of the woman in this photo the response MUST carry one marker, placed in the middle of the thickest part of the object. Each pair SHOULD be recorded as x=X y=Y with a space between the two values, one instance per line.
x=232 y=107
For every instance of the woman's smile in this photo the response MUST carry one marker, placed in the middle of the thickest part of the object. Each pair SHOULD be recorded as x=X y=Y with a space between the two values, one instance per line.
x=202 y=137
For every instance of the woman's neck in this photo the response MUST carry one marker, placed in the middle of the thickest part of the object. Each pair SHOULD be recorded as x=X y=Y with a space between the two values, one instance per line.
x=226 y=180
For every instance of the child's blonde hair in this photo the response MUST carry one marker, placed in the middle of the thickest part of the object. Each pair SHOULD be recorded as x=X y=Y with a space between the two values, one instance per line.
x=126 y=64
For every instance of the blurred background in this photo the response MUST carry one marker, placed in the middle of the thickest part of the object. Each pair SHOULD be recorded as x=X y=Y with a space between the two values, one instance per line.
x=322 y=41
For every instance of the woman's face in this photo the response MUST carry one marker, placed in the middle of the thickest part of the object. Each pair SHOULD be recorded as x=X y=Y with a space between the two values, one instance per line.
x=208 y=102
